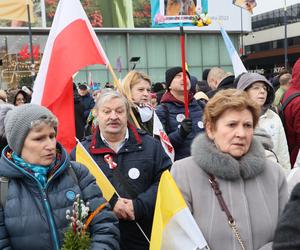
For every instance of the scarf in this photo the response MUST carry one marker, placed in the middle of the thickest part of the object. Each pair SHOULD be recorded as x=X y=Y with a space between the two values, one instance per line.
x=38 y=171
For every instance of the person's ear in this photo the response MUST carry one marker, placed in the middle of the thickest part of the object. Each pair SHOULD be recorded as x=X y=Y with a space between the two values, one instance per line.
x=209 y=131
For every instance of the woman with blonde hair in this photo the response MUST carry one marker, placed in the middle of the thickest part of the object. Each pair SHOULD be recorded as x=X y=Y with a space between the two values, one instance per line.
x=235 y=194
x=136 y=87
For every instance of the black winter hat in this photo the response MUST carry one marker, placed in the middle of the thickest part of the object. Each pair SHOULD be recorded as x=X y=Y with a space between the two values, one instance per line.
x=171 y=73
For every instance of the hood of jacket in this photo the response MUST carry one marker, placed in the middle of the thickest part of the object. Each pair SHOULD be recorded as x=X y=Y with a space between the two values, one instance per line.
x=227 y=82
x=9 y=169
x=168 y=97
x=295 y=83
x=264 y=138
x=247 y=79
x=223 y=165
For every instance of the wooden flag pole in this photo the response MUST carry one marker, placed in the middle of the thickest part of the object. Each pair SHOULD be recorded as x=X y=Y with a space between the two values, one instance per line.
x=119 y=88
x=182 y=43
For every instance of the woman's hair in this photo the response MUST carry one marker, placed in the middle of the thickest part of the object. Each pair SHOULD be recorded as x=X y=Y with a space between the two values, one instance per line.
x=132 y=78
x=109 y=94
x=24 y=94
x=229 y=99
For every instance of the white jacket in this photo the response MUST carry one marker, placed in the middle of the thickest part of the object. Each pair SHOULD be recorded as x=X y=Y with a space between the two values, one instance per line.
x=270 y=121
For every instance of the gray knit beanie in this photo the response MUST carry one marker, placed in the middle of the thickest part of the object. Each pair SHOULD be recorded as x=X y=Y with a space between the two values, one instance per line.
x=18 y=123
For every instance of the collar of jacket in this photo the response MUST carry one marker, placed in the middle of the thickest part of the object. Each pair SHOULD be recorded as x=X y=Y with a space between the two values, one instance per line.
x=168 y=97
x=223 y=165
x=97 y=146
x=12 y=170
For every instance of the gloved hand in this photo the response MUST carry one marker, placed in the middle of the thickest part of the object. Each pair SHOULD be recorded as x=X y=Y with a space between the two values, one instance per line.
x=185 y=127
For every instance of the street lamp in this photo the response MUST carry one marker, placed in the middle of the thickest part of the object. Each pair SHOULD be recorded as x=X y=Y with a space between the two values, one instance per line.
x=285 y=37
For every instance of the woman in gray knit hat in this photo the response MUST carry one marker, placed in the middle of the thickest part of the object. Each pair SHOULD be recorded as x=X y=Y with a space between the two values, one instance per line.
x=43 y=184
x=260 y=90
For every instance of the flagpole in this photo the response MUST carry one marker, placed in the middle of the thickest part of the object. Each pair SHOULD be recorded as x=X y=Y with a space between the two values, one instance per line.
x=182 y=43
x=30 y=42
x=92 y=159
x=119 y=88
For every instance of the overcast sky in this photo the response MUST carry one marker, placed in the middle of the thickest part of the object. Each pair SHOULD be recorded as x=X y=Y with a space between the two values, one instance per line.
x=266 y=5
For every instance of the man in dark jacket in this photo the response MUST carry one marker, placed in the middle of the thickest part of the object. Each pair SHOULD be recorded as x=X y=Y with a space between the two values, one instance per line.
x=180 y=130
x=133 y=162
x=218 y=79
x=86 y=99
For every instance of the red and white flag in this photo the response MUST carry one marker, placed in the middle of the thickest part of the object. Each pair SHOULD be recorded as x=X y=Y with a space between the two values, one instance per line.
x=72 y=44
x=164 y=139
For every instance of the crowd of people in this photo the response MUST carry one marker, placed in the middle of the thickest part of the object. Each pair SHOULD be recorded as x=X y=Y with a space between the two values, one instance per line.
x=236 y=160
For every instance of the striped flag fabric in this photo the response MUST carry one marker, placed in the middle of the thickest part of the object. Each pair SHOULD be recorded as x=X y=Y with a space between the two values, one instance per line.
x=72 y=44
x=174 y=227
x=164 y=139
x=238 y=66
x=83 y=157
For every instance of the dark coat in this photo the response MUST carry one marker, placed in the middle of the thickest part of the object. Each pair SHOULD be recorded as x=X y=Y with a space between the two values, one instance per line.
x=171 y=113
x=35 y=217
x=80 y=120
x=144 y=154
x=287 y=235
x=227 y=83
x=88 y=103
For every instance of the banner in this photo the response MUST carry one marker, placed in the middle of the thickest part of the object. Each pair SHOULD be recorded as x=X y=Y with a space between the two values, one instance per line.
x=16 y=10
x=245 y=4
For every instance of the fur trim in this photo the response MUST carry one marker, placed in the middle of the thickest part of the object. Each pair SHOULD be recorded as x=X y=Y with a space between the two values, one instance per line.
x=223 y=165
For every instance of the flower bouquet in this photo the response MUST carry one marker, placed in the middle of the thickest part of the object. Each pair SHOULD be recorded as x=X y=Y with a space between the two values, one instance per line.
x=201 y=20
x=76 y=237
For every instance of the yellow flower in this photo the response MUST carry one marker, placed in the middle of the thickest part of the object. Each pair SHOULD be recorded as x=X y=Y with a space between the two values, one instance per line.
x=208 y=21
x=200 y=23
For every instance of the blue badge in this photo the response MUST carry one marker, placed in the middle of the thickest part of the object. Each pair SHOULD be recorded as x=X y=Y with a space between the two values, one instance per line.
x=71 y=195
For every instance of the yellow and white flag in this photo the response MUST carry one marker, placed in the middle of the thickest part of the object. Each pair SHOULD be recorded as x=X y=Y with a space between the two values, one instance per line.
x=174 y=227
x=83 y=157
x=16 y=10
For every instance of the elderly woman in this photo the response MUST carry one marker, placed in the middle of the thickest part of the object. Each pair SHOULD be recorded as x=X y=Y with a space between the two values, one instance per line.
x=260 y=90
x=234 y=193
x=43 y=184
x=136 y=87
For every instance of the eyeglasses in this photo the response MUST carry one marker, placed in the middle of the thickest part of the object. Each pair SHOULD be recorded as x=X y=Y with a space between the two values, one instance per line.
x=258 y=87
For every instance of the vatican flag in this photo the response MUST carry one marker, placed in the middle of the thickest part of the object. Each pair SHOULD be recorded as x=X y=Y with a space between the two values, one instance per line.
x=83 y=157
x=174 y=227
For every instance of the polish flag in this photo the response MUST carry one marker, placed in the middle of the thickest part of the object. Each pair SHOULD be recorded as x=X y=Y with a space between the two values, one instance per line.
x=72 y=44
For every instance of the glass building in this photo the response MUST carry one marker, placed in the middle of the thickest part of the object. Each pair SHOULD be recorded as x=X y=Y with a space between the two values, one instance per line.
x=158 y=50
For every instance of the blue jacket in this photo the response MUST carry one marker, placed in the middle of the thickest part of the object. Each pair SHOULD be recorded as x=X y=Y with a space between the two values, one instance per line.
x=35 y=217
x=144 y=156
x=171 y=113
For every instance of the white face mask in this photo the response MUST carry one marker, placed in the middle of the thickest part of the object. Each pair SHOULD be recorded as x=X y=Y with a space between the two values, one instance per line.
x=146 y=113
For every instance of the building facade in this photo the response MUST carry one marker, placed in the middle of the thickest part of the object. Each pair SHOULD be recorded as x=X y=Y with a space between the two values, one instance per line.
x=158 y=50
x=264 y=47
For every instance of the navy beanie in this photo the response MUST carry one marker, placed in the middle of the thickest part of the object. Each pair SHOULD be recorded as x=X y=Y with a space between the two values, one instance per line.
x=171 y=73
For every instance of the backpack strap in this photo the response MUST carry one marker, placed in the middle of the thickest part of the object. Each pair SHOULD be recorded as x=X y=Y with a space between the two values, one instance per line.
x=284 y=104
x=3 y=190
x=288 y=100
